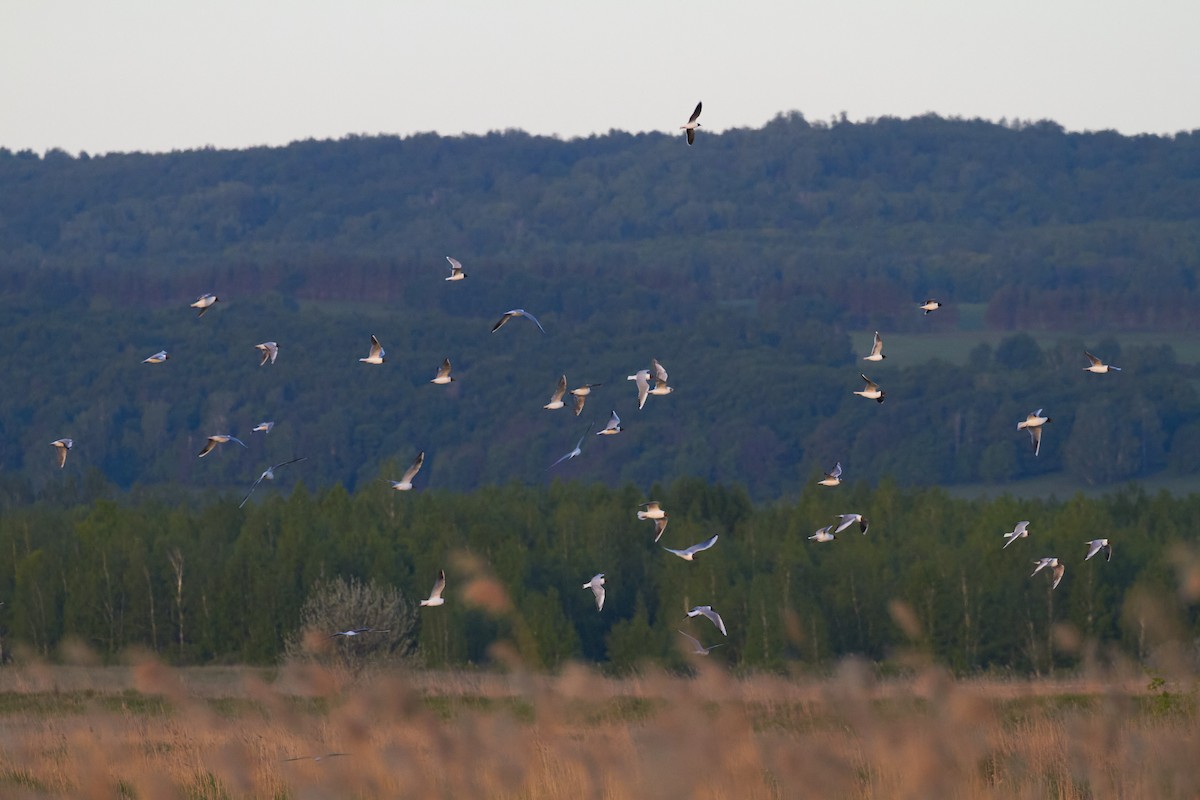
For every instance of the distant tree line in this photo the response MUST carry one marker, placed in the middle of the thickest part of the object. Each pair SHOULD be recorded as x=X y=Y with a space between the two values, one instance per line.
x=208 y=582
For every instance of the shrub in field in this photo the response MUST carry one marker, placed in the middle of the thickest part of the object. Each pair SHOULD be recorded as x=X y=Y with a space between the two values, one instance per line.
x=386 y=617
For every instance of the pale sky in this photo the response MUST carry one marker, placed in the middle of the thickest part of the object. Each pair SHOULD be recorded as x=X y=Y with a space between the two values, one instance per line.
x=160 y=75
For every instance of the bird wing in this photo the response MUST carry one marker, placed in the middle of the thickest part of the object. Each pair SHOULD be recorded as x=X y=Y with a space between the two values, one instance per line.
x=660 y=525
x=691 y=136
x=439 y=585
x=252 y=488
x=411 y=472
x=696 y=548
x=455 y=265
x=580 y=399
x=871 y=385
x=715 y=618
x=877 y=346
x=1035 y=435
x=1058 y=575
x=560 y=391
x=500 y=323
x=659 y=372
x=525 y=313
x=376 y=348
x=643 y=388
x=1095 y=361
x=1094 y=547
x=845 y=521
x=691 y=639
x=837 y=470
x=614 y=421
x=444 y=369
x=696 y=114
x=208 y=447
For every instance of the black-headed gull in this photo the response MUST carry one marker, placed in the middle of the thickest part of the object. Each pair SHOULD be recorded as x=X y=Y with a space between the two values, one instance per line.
x=1098 y=366
x=456 y=270
x=1033 y=423
x=516 y=312
x=405 y=482
x=435 y=596
x=713 y=617
x=204 y=302
x=692 y=124
x=930 y=306
x=63 y=446
x=352 y=632
x=263 y=427
x=578 y=450
x=1098 y=545
x=376 y=354
x=825 y=534
x=613 y=426
x=581 y=395
x=268 y=475
x=876 y=349
x=871 y=391
x=690 y=553
x=846 y=520
x=596 y=584
x=697 y=648
x=216 y=439
x=1019 y=532
x=556 y=399
x=833 y=477
x=270 y=351
x=443 y=374
x=157 y=358
x=1056 y=568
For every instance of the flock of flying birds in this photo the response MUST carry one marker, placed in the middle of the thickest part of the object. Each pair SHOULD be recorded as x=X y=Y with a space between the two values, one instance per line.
x=1033 y=424
x=652 y=381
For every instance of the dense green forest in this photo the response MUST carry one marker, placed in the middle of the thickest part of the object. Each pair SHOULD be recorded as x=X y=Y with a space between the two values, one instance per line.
x=930 y=574
x=754 y=265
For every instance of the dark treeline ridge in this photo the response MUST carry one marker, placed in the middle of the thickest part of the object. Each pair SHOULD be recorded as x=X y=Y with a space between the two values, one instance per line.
x=212 y=583
x=1047 y=228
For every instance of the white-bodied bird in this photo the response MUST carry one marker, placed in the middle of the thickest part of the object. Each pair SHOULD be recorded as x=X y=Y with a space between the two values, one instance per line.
x=556 y=399
x=929 y=306
x=456 y=270
x=63 y=446
x=376 y=354
x=270 y=351
x=443 y=374
x=876 y=349
x=405 y=482
x=697 y=648
x=1056 y=568
x=613 y=427
x=833 y=477
x=713 y=617
x=1019 y=532
x=157 y=358
x=596 y=584
x=871 y=391
x=1098 y=545
x=577 y=451
x=516 y=312
x=435 y=595
x=268 y=475
x=846 y=520
x=1098 y=366
x=690 y=553
x=1033 y=423
x=825 y=534
x=204 y=302
x=216 y=439
x=263 y=427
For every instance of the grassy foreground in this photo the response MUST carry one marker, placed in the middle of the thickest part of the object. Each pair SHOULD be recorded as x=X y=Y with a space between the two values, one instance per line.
x=149 y=731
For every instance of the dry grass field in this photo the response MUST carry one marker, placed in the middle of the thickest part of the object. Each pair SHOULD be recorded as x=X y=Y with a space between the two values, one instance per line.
x=150 y=731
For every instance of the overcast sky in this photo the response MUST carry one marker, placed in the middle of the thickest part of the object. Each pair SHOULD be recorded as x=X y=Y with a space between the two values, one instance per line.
x=158 y=75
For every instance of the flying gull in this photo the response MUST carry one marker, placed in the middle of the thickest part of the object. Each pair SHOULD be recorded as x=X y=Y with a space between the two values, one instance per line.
x=846 y=520
x=833 y=477
x=556 y=399
x=516 y=312
x=270 y=350
x=376 y=356
x=876 y=349
x=63 y=446
x=690 y=553
x=699 y=649
x=443 y=374
x=456 y=270
x=826 y=534
x=1019 y=532
x=596 y=584
x=578 y=449
x=613 y=427
x=692 y=124
x=1057 y=569
x=268 y=475
x=405 y=482
x=712 y=616
x=930 y=306
x=1098 y=366
x=1033 y=423
x=871 y=391
x=157 y=358
x=439 y=586
x=204 y=302
x=1098 y=545
x=216 y=439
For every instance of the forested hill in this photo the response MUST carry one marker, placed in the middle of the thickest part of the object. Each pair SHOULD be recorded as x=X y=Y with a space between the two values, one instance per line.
x=1049 y=228
x=754 y=265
